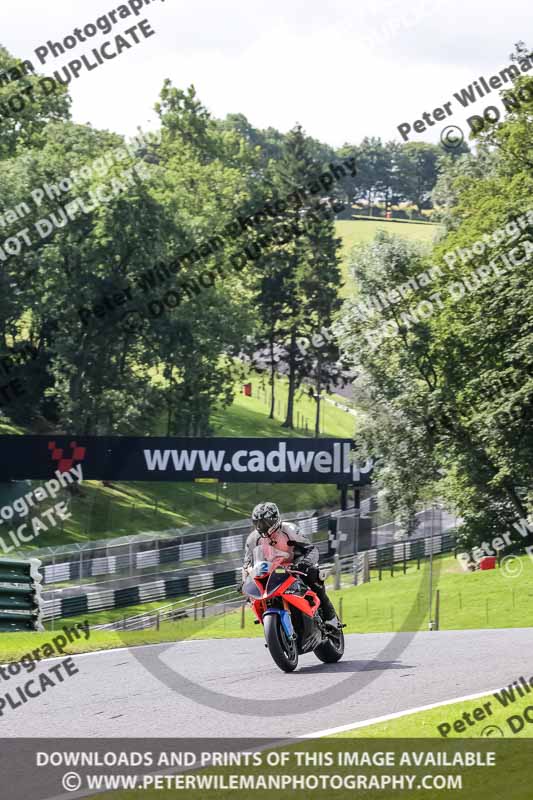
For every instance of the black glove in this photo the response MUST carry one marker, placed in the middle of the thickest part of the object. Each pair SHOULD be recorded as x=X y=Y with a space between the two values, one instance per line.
x=303 y=565
x=311 y=571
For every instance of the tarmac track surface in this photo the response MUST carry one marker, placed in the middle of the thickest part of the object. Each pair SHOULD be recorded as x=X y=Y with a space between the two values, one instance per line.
x=115 y=695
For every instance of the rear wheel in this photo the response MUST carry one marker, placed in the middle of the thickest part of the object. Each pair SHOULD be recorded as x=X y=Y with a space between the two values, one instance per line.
x=282 y=649
x=332 y=649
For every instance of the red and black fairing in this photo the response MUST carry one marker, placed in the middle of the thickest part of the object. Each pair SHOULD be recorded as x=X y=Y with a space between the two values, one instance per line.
x=280 y=591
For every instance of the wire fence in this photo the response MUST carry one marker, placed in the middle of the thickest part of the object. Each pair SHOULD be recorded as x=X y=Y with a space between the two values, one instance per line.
x=301 y=421
x=148 y=555
x=204 y=604
x=128 y=572
x=383 y=559
x=111 y=510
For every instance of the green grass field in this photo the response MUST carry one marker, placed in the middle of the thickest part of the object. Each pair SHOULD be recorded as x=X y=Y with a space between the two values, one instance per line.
x=363 y=231
x=13 y=646
x=130 y=508
x=401 y=603
x=507 y=773
x=248 y=416
x=112 y=614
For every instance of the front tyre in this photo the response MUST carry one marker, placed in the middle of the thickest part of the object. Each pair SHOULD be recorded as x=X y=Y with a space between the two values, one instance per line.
x=332 y=649
x=282 y=649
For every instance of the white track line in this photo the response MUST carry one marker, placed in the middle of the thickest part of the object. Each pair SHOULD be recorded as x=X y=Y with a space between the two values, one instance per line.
x=354 y=725
x=123 y=649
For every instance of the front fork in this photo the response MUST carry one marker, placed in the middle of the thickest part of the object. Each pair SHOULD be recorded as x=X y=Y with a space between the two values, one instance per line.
x=284 y=617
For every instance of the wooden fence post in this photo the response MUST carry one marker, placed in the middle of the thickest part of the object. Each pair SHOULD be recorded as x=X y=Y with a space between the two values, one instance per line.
x=337 y=571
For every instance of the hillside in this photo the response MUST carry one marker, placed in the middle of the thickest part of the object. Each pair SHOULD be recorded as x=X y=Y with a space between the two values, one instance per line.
x=131 y=508
x=128 y=509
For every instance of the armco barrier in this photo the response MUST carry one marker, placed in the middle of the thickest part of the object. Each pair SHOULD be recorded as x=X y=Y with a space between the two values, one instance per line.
x=112 y=560
x=21 y=604
x=204 y=580
x=167 y=588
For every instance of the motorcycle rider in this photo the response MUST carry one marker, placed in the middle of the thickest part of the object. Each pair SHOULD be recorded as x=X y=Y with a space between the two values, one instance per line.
x=286 y=536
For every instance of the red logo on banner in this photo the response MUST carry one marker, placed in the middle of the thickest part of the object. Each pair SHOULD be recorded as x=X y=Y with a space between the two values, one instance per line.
x=64 y=463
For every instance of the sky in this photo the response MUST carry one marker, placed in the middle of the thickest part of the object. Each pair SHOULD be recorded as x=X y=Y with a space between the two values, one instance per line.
x=343 y=69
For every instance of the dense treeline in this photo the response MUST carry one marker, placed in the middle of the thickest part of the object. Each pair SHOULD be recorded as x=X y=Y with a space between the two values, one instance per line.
x=446 y=371
x=64 y=248
x=443 y=375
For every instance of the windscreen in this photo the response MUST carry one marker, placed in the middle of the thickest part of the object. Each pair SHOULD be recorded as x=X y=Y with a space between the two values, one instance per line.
x=266 y=552
x=251 y=588
x=277 y=577
x=266 y=558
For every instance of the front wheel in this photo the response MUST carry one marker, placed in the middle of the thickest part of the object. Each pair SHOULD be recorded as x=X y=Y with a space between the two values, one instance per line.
x=332 y=649
x=282 y=650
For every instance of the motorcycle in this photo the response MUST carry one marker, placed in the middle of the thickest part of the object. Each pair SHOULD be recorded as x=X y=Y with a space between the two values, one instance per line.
x=288 y=610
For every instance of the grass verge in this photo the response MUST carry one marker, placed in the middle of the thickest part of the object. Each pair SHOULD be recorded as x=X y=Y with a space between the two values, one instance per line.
x=500 y=714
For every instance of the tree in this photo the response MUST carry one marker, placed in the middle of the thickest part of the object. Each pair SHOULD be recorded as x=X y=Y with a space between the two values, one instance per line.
x=324 y=373
x=416 y=169
x=448 y=357
x=391 y=390
x=300 y=267
x=27 y=104
x=373 y=169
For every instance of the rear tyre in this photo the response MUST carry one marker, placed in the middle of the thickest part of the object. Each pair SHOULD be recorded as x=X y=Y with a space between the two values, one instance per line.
x=332 y=649
x=282 y=650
